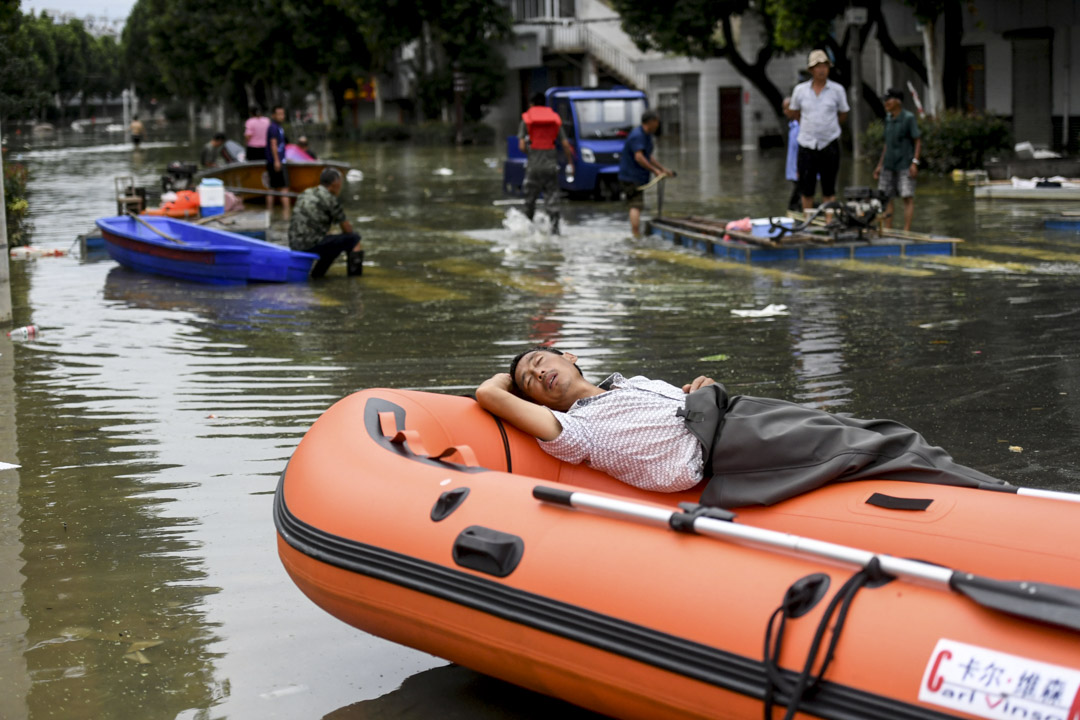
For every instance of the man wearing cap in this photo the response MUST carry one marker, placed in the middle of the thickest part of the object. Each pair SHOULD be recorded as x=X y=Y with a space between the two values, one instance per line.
x=899 y=163
x=820 y=105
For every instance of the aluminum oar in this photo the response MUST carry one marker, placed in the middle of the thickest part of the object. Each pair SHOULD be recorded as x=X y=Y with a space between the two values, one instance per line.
x=1053 y=604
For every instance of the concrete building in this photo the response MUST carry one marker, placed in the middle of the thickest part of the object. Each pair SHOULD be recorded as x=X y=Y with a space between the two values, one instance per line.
x=1017 y=61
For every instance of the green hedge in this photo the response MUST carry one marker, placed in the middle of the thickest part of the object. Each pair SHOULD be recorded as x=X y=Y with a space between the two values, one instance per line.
x=953 y=140
x=18 y=227
x=429 y=133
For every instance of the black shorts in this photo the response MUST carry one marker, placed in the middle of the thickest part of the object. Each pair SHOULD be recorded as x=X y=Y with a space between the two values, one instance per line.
x=635 y=198
x=824 y=162
x=252 y=154
x=276 y=179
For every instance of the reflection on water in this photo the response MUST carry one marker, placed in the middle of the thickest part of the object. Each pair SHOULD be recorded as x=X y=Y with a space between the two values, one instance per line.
x=452 y=692
x=152 y=417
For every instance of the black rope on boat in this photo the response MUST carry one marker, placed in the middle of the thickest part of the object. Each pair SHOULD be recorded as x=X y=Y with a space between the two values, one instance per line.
x=506 y=443
x=794 y=606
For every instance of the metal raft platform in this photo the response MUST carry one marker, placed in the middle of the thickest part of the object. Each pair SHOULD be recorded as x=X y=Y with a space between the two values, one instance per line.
x=709 y=236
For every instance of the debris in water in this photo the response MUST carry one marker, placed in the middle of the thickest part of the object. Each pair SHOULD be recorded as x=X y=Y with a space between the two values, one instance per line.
x=771 y=310
x=1016 y=449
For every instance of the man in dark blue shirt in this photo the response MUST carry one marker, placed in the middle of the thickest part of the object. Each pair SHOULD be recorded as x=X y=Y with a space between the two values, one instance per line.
x=637 y=164
x=278 y=179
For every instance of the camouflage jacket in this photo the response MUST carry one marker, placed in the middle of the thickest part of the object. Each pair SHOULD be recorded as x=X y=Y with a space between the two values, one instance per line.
x=316 y=210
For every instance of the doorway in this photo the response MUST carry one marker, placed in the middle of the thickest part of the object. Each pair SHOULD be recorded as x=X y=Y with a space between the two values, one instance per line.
x=731 y=114
x=1032 y=91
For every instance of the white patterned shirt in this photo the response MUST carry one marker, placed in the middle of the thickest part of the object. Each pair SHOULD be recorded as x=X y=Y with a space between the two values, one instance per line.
x=632 y=433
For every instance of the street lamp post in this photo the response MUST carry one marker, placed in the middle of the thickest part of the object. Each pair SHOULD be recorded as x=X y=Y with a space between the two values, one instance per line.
x=5 y=271
x=856 y=17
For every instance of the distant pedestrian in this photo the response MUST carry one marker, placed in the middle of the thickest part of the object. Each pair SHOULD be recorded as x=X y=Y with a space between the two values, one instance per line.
x=637 y=164
x=316 y=210
x=255 y=128
x=136 y=129
x=277 y=175
x=899 y=163
x=791 y=168
x=539 y=131
x=820 y=105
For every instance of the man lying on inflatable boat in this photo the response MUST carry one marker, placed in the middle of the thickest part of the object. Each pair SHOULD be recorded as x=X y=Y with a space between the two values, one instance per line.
x=656 y=436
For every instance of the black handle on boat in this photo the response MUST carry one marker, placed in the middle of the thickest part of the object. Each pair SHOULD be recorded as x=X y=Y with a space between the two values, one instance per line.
x=1042 y=602
x=147 y=225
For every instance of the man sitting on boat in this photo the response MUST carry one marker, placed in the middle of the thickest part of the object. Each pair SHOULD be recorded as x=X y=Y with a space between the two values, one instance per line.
x=213 y=152
x=316 y=210
x=655 y=436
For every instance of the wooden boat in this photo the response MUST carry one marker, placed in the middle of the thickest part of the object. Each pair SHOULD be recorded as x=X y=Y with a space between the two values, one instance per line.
x=192 y=252
x=763 y=244
x=251 y=175
x=422 y=519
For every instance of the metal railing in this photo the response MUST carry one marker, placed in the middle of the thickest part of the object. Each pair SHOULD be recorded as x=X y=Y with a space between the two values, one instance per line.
x=542 y=10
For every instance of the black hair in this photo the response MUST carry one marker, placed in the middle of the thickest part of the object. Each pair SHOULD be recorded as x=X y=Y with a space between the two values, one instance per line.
x=328 y=177
x=538 y=99
x=514 y=388
x=219 y=136
x=253 y=111
x=649 y=115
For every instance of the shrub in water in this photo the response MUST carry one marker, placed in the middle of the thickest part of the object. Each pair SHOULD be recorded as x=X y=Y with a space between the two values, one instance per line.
x=18 y=227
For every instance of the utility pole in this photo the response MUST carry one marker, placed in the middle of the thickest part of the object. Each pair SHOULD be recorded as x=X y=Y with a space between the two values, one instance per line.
x=5 y=271
x=856 y=17
x=460 y=85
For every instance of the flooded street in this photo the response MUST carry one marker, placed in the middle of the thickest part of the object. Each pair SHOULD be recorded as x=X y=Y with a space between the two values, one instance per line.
x=151 y=418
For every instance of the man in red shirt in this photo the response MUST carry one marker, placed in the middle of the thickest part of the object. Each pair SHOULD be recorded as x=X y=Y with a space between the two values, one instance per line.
x=541 y=128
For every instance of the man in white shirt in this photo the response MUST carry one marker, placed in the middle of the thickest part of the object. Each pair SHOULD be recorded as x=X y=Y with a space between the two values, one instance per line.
x=820 y=105
x=656 y=436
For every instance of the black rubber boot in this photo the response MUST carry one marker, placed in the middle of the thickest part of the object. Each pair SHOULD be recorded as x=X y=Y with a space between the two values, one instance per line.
x=355 y=259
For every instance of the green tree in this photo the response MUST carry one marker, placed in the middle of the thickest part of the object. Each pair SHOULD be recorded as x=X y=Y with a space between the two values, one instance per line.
x=19 y=93
x=705 y=29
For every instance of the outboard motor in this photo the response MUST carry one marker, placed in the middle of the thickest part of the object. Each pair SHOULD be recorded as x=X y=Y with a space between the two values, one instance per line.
x=178 y=176
x=862 y=205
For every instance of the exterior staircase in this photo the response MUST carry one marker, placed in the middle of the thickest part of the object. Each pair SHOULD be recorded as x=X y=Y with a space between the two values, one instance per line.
x=583 y=26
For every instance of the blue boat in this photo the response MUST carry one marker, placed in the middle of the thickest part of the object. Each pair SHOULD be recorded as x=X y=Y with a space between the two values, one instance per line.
x=764 y=242
x=179 y=249
x=1064 y=221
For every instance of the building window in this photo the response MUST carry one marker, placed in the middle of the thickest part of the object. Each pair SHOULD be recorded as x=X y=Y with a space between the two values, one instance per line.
x=532 y=10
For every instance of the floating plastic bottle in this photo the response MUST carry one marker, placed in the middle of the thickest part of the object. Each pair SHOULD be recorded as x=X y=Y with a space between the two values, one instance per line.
x=23 y=333
x=570 y=174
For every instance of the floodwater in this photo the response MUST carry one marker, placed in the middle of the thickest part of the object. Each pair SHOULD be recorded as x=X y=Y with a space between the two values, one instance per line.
x=151 y=418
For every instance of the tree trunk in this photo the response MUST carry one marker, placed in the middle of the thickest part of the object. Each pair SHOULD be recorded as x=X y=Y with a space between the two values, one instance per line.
x=324 y=101
x=953 y=60
x=889 y=47
x=934 y=97
x=755 y=73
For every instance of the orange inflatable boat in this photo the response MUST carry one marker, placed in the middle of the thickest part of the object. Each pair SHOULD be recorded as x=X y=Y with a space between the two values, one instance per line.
x=422 y=519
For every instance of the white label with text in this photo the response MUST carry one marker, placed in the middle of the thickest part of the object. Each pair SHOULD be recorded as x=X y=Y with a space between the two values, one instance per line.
x=992 y=684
